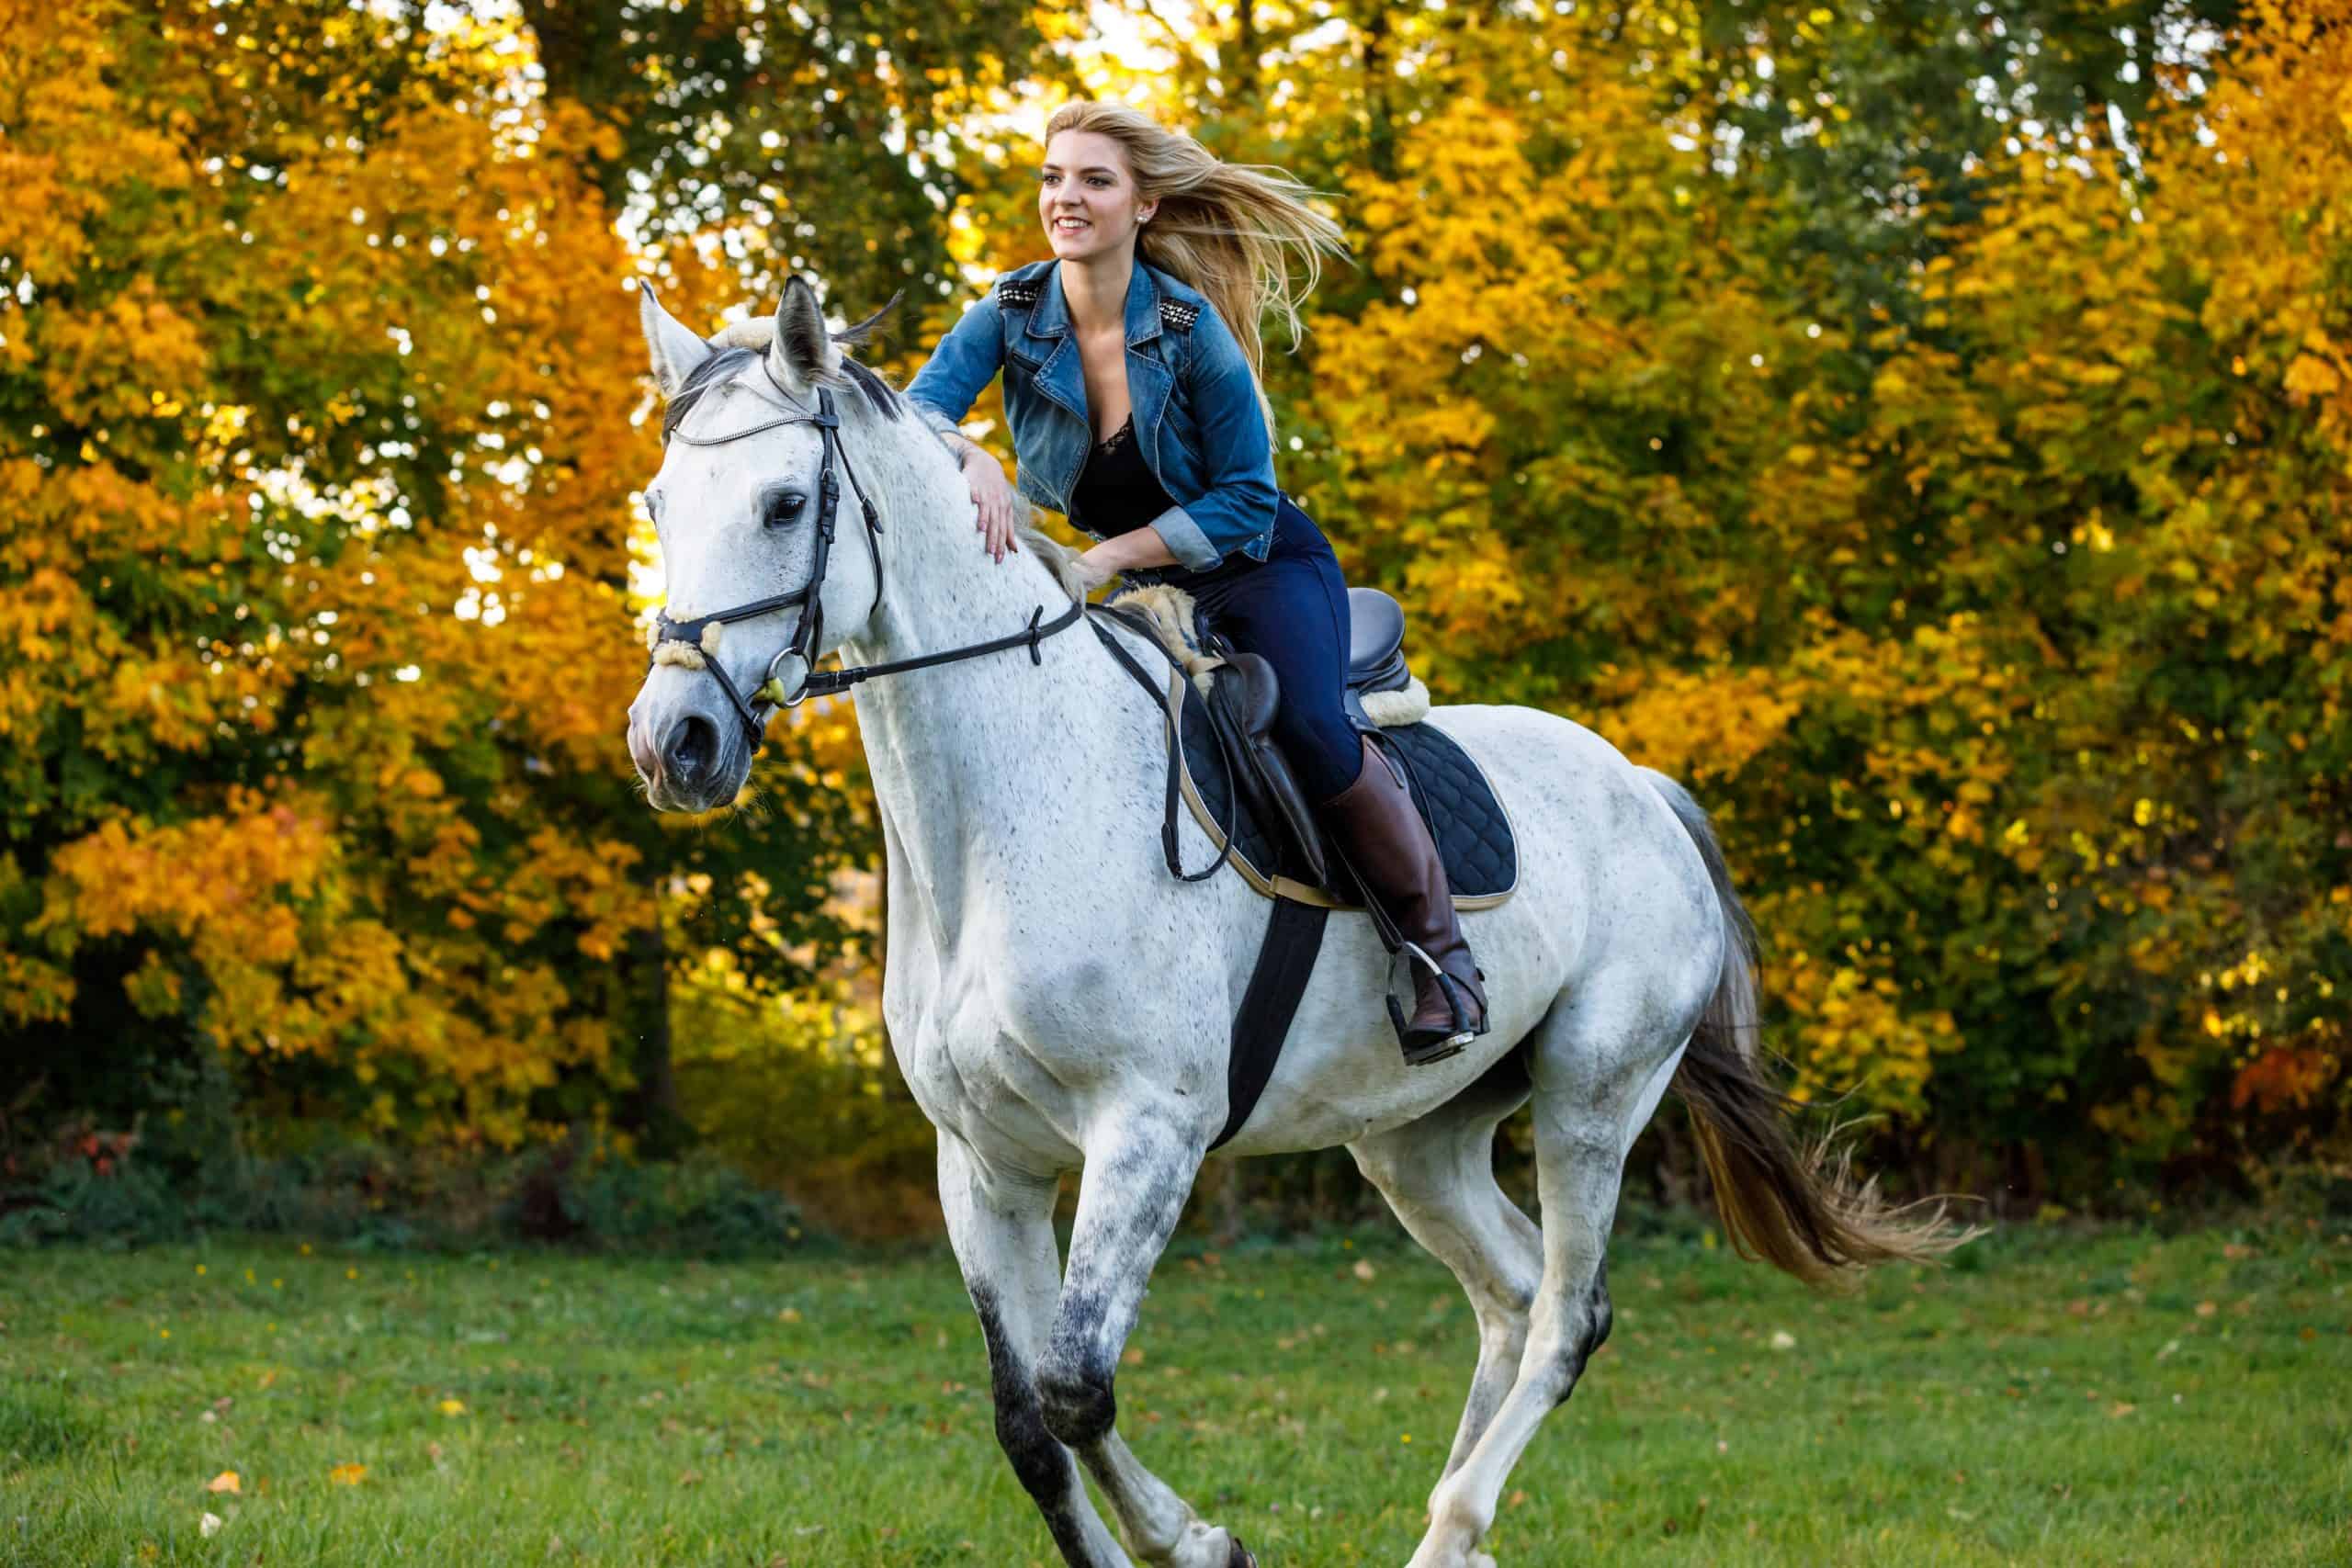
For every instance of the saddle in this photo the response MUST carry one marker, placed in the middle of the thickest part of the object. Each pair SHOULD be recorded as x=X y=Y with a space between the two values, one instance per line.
x=1240 y=790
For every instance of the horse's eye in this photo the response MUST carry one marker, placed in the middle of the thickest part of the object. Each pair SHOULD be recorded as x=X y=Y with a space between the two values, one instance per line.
x=783 y=509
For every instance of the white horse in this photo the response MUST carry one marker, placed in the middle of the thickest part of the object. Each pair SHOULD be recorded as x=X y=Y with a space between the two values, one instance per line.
x=1058 y=1000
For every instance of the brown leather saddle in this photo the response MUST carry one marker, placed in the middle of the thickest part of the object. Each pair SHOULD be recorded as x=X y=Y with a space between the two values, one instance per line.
x=1245 y=695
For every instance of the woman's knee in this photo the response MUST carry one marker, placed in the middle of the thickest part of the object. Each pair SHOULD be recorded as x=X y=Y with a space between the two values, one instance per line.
x=1322 y=748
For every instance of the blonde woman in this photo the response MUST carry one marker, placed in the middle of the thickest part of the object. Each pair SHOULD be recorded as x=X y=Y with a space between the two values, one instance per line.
x=1132 y=387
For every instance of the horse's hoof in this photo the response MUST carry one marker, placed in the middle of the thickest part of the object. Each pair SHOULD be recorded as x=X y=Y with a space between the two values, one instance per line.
x=1241 y=1557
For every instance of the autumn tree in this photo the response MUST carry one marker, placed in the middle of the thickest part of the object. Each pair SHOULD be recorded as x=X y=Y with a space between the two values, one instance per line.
x=317 y=388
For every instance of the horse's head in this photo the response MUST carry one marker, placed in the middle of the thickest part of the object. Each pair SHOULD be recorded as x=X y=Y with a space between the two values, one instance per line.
x=757 y=590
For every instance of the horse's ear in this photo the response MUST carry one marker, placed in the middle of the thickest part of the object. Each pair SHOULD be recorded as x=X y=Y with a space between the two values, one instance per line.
x=803 y=353
x=676 y=349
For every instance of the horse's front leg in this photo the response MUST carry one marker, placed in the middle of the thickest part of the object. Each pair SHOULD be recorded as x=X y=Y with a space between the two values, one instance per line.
x=1002 y=1229
x=1136 y=1179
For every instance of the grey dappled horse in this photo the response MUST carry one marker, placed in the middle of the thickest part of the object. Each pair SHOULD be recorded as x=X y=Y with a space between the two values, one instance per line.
x=1056 y=1000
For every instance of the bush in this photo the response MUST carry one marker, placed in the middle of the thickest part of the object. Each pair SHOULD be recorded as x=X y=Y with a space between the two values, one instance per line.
x=129 y=1190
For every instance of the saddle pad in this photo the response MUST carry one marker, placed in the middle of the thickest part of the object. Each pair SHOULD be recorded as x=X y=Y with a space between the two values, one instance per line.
x=1472 y=829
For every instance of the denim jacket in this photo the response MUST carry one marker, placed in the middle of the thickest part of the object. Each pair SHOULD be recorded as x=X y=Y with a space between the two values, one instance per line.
x=1197 y=420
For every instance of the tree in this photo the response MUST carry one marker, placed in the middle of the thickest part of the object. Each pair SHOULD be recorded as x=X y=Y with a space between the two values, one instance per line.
x=316 y=459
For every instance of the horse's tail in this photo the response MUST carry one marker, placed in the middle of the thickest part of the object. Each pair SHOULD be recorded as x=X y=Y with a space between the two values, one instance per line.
x=1797 y=1208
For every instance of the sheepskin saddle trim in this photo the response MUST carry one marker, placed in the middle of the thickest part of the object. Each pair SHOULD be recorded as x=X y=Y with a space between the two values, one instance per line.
x=1175 y=618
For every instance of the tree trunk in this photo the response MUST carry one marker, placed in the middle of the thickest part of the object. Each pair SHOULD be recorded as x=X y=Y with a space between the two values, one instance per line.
x=651 y=1110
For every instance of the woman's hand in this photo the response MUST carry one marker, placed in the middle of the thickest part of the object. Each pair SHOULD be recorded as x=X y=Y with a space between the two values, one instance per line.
x=993 y=492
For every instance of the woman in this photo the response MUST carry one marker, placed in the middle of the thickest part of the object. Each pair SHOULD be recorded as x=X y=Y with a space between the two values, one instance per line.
x=1132 y=389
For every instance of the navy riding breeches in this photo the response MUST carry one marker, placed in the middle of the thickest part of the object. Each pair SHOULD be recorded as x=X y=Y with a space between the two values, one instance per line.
x=1291 y=610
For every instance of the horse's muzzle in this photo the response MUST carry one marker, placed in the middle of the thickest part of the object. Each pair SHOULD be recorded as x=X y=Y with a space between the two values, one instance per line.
x=687 y=764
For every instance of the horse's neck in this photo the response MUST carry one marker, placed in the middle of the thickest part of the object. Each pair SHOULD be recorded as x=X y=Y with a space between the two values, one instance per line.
x=964 y=754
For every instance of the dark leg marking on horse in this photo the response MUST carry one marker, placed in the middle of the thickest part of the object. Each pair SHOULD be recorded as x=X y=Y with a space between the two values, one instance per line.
x=1076 y=1374
x=1600 y=1316
x=1080 y=1404
x=1042 y=1465
x=1239 y=1557
x=1604 y=1313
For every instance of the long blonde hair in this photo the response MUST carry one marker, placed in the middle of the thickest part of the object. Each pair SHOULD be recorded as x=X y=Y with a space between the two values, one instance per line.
x=1225 y=229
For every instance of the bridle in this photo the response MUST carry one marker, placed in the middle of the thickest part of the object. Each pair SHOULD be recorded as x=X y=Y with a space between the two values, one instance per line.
x=808 y=636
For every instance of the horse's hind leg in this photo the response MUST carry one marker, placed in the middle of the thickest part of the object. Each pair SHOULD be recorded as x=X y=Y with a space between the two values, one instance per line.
x=1134 y=1190
x=1599 y=1064
x=1003 y=1228
x=1438 y=1174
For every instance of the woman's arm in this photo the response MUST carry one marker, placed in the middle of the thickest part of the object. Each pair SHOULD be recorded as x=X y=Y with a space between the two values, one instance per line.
x=963 y=364
x=1124 y=552
x=965 y=361
x=1240 y=500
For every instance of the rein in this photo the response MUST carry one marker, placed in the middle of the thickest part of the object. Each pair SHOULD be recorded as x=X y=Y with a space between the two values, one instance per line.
x=1168 y=850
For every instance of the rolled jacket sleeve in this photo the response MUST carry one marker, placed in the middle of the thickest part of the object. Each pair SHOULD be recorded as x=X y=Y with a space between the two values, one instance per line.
x=1237 y=449
x=963 y=364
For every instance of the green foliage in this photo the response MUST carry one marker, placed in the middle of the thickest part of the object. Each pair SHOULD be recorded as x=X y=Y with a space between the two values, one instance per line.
x=128 y=1190
x=801 y=1094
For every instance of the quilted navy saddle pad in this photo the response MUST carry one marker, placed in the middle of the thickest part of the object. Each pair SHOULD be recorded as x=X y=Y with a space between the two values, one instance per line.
x=1472 y=829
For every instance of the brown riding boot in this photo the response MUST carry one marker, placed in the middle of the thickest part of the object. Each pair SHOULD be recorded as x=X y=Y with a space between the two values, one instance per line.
x=1381 y=835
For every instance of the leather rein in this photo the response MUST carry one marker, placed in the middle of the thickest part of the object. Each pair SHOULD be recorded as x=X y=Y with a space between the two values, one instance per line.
x=810 y=632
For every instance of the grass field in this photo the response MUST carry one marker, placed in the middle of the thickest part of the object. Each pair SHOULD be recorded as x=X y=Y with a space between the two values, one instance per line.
x=2057 y=1396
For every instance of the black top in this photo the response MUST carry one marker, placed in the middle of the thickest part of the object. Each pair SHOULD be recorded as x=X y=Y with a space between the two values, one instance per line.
x=1115 y=492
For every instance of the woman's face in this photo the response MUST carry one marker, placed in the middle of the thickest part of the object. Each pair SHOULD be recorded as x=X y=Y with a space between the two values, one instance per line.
x=1086 y=197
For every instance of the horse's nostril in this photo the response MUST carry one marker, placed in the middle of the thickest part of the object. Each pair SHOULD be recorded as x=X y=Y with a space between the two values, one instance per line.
x=693 y=748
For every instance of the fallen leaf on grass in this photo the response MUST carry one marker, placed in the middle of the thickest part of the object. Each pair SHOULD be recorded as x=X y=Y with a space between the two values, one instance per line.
x=347 y=1474
x=453 y=1407
x=1364 y=1270
x=225 y=1482
x=1783 y=1340
x=209 y=1525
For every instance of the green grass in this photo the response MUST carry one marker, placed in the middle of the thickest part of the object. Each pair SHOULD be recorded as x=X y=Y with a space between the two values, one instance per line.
x=2056 y=1396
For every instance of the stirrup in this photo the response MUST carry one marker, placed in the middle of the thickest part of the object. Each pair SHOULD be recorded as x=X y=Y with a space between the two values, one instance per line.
x=1423 y=1046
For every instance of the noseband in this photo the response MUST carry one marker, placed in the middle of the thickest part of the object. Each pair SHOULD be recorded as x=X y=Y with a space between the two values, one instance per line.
x=808 y=636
